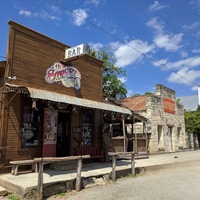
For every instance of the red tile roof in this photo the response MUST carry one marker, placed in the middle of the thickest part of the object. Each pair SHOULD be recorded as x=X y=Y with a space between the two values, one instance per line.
x=135 y=103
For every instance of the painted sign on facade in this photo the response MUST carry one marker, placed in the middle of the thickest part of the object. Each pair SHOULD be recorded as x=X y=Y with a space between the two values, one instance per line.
x=68 y=76
x=169 y=105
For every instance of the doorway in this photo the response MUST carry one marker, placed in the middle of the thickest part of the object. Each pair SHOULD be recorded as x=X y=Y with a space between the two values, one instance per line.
x=170 y=139
x=63 y=136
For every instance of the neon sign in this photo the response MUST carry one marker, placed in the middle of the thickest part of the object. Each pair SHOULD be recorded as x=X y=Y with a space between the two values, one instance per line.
x=68 y=76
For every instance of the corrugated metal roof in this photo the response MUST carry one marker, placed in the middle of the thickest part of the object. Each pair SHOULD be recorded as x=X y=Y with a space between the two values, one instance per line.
x=136 y=103
x=190 y=103
x=63 y=98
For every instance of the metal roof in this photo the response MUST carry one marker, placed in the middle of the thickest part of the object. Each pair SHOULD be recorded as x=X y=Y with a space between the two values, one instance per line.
x=190 y=103
x=63 y=98
x=136 y=103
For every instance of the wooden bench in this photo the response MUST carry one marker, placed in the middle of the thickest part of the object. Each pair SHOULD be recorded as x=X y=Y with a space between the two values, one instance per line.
x=94 y=152
x=16 y=164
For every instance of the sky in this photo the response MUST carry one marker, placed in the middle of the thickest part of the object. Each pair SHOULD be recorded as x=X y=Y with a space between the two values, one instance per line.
x=155 y=42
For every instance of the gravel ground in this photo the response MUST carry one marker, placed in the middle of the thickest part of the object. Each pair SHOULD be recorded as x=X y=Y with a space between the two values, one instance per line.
x=172 y=182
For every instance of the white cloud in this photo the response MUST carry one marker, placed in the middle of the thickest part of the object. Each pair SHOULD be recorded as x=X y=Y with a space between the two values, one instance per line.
x=79 y=16
x=191 y=26
x=96 y=46
x=161 y=63
x=184 y=76
x=196 y=4
x=189 y=63
x=158 y=26
x=196 y=50
x=46 y=16
x=25 y=12
x=131 y=52
x=156 y=6
x=168 y=42
x=56 y=10
x=95 y=2
x=184 y=54
x=43 y=14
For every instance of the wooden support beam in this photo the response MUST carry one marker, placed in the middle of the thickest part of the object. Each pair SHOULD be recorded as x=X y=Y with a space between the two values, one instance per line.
x=113 y=168
x=78 y=176
x=40 y=182
x=114 y=154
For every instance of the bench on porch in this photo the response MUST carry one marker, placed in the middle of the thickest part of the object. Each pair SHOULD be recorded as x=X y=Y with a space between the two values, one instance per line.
x=94 y=152
x=17 y=163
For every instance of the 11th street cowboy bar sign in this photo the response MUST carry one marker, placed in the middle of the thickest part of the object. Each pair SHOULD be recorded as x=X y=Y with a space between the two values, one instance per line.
x=68 y=76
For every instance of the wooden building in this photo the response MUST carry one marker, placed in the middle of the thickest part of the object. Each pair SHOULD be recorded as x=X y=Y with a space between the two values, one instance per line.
x=50 y=105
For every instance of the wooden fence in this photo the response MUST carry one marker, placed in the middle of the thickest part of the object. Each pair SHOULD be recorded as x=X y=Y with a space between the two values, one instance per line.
x=114 y=156
x=41 y=161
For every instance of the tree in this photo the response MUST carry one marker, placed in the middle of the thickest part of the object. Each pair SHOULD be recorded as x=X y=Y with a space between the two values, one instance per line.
x=112 y=85
x=192 y=121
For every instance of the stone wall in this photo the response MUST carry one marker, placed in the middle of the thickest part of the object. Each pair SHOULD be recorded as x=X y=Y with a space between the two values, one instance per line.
x=165 y=122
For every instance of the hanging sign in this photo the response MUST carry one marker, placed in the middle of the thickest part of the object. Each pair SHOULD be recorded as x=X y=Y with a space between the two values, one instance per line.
x=68 y=76
x=75 y=51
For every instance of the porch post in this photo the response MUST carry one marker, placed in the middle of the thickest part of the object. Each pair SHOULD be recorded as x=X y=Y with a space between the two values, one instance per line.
x=124 y=134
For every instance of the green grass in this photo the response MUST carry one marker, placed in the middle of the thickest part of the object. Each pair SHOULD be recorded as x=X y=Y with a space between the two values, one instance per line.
x=62 y=194
x=13 y=197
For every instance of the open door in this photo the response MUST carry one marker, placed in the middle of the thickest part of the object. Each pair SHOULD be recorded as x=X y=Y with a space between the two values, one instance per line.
x=49 y=133
x=63 y=136
x=170 y=139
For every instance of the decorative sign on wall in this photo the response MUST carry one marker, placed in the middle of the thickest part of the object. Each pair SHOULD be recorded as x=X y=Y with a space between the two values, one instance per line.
x=65 y=75
x=169 y=105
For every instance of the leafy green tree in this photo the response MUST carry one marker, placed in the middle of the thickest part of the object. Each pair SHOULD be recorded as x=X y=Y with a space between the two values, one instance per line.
x=192 y=121
x=112 y=85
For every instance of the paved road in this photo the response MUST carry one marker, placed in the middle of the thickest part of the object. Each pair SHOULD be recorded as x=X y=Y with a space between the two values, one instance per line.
x=171 y=182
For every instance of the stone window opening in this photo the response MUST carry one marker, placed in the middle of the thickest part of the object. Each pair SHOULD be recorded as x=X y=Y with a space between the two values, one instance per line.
x=160 y=137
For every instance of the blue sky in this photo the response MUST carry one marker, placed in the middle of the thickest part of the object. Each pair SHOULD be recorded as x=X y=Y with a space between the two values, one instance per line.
x=156 y=42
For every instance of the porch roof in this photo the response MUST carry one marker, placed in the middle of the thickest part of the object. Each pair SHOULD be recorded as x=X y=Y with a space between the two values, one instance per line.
x=63 y=98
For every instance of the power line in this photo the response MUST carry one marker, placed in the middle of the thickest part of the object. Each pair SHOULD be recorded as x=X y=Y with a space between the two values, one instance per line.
x=126 y=43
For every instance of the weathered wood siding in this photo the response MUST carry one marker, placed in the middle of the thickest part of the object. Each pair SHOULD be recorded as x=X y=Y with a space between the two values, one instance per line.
x=2 y=72
x=31 y=54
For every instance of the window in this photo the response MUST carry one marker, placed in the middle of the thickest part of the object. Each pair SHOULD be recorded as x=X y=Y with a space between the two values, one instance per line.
x=87 y=127
x=30 y=124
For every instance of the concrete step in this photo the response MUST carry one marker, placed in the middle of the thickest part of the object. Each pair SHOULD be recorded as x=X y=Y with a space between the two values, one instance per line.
x=3 y=191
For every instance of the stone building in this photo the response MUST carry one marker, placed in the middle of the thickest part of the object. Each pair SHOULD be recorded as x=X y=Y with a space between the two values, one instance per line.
x=166 y=124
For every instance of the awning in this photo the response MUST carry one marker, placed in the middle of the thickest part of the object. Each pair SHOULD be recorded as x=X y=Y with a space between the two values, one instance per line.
x=63 y=98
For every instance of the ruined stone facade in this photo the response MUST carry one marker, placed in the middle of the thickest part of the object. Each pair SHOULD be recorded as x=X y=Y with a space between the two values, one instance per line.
x=166 y=125
x=167 y=132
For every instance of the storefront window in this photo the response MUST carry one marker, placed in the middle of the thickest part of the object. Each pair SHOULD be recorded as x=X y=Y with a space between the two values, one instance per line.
x=87 y=128
x=30 y=124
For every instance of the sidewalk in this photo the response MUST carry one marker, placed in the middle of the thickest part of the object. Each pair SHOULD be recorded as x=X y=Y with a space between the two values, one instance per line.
x=26 y=184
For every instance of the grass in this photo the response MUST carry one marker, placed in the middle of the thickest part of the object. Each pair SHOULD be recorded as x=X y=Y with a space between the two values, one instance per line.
x=13 y=197
x=62 y=194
